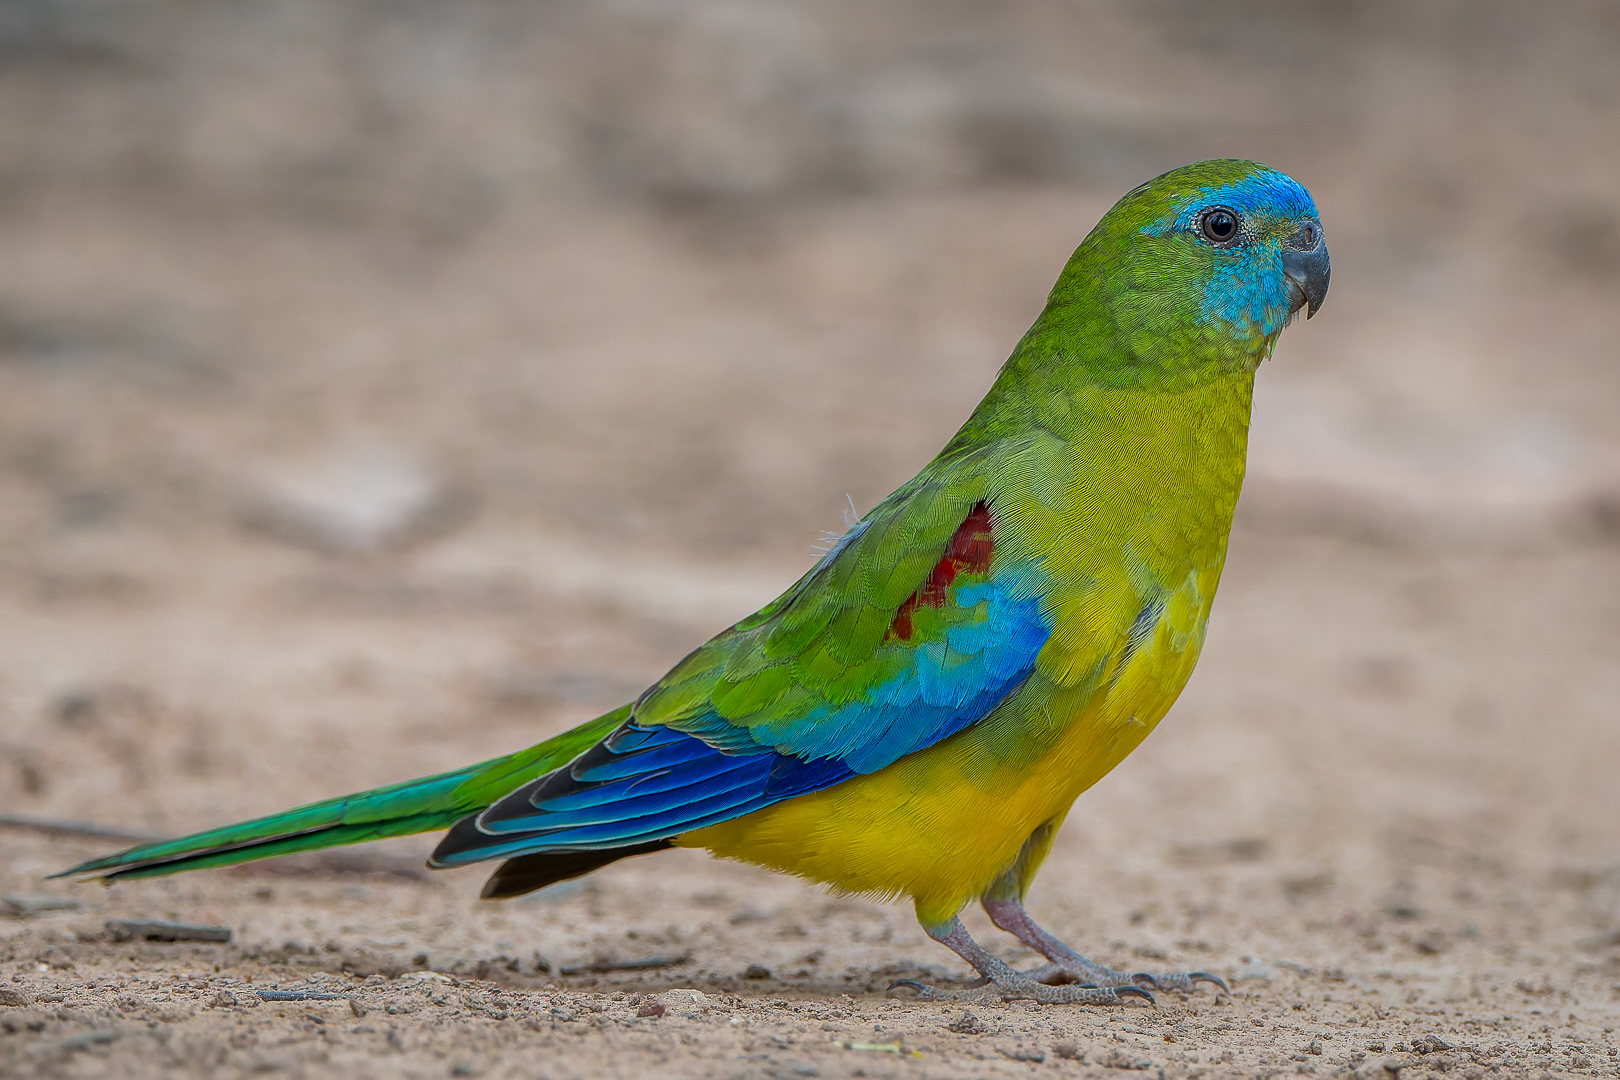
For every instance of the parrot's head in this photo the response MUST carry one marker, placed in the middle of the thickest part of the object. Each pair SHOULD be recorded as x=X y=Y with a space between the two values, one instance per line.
x=1206 y=263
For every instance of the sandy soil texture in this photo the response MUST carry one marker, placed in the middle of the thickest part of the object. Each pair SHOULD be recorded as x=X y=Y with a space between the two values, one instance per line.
x=1384 y=809
x=302 y=494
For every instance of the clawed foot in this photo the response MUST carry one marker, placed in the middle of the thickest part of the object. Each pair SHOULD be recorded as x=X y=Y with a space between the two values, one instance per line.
x=1068 y=966
x=1023 y=988
x=1069 y=979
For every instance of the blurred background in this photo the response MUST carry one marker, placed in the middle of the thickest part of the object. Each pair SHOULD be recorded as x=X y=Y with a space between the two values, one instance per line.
x=384 y=385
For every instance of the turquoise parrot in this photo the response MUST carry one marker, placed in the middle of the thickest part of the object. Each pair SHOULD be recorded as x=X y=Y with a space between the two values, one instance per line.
x=915 y=716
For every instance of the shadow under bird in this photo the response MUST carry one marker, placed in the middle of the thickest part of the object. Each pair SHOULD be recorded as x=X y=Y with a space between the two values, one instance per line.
x=916 y=715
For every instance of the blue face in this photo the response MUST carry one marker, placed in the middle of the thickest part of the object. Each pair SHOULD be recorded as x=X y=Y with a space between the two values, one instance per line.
x=1267 y=255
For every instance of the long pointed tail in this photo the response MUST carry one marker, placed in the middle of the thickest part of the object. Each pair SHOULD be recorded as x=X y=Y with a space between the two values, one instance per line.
x=433 y=802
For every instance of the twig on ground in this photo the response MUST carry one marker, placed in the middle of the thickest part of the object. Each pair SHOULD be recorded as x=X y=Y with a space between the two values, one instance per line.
x=600 y=966
x=24 y=906
x=163 y=930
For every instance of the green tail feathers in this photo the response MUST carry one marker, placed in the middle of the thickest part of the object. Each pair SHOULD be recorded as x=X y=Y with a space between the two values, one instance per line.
x=416 y=806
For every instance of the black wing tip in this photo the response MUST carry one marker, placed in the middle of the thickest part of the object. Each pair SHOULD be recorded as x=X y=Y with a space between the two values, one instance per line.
x=475 y=833
x=463 y=836
x=526 y=873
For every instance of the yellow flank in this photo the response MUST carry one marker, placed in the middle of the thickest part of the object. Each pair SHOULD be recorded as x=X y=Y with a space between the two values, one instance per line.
x=941 y=825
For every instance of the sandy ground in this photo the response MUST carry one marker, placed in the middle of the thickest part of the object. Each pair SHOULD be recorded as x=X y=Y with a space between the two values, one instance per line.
x=1384 y=809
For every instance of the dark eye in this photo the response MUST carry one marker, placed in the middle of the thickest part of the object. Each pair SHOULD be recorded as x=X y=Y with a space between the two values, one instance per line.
x=1219 y=225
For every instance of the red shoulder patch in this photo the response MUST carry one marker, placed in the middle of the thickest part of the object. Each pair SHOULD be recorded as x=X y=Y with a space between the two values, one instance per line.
x=970 y=549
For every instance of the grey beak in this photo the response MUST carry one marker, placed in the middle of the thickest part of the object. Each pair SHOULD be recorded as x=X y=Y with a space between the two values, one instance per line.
x=1305 y=262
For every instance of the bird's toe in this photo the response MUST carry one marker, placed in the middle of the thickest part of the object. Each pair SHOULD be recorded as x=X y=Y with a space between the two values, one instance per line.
x=924 y=991
x=1185 y=981
x=1076 y=994
x=1029 y=989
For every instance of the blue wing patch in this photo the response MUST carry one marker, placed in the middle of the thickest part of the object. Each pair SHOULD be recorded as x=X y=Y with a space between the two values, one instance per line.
x=954 y=682
x=649 y=783
x=640 y=784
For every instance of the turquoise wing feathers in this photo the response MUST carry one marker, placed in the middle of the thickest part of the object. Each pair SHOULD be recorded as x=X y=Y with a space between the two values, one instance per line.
x=910 y=629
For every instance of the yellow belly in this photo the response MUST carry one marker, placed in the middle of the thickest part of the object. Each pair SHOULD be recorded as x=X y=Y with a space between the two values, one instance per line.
x=940 y=825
